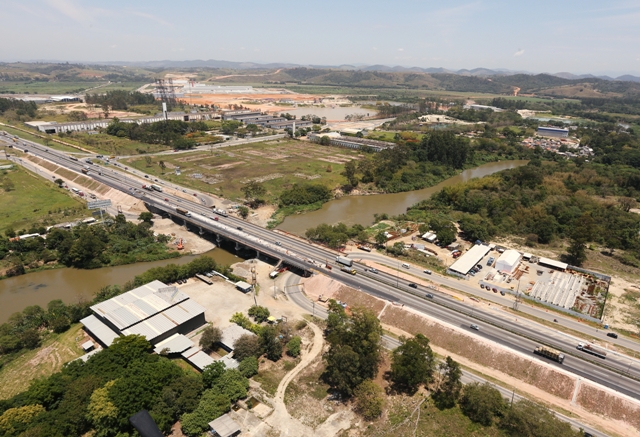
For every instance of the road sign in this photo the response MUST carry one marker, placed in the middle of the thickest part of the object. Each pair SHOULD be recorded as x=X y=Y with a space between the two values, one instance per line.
x=99 y=204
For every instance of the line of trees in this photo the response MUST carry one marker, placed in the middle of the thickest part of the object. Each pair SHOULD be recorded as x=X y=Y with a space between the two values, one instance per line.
x=119 y=99
x=171 y=133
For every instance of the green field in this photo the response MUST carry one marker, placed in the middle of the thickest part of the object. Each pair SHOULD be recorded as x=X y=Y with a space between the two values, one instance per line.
x=34 y=201
x=37 y=87
x=112 y=145
x=57 y=350
x=278 y=164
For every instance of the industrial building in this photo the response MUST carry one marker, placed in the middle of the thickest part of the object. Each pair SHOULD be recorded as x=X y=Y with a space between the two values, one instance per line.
x=508 y=261
x=556 y=132
x=263 y=120
x=153 y=310
x=468 y=260
x=356 y=143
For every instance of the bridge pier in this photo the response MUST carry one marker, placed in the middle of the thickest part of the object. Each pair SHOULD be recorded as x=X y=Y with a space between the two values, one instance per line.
x=237 y=246
x=218 y=239
x=200 y=230
x=257 y=254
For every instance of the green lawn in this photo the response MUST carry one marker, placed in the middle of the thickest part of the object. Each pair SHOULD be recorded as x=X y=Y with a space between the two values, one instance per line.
x=55 y=351
x=34 y=201
x=278 y=164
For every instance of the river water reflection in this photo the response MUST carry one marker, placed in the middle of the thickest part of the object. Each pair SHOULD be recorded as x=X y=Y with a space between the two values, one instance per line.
x=71 y=285
x=360 y=209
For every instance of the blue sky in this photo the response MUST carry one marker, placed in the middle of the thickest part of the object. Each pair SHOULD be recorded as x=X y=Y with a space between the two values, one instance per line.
x=588 y=36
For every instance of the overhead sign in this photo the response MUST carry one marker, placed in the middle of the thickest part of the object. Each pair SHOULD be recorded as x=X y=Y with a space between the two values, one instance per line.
x=99 y=204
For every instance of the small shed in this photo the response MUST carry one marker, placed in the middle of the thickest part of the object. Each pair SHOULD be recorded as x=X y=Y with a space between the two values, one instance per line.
x=224 y=426
x=87 y=346
x=243 y=286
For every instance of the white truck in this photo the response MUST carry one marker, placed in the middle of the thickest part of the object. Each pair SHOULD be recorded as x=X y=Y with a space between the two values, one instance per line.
x=344 y=261
x=221 y=212
x=591 y=349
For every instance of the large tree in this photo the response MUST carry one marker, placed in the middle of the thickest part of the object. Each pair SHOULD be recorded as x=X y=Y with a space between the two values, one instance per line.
x=482 y=403
x=450 y=386
x=412 y=363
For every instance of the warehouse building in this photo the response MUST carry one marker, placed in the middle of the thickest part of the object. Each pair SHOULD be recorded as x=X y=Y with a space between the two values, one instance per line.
x=508 y=261
x=556 y=132
x=153 y=310
x=468 y=260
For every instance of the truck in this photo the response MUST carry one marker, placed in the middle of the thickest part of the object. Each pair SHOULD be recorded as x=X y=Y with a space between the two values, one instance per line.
x=85 y=170
x=221 y=212
x=348 y=270
x=156 y=187
x=344 y=261
x=552 y=354
x=88 y=161
x=147 y=187
x=365 y=248
x=183 y=212
x=591 y=349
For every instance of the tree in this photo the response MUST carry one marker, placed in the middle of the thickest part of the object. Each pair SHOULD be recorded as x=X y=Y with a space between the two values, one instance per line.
x=162 y=165
x=481 y=403
x=381 y=238
x=270 y=343
x=148 y=160
x=146 y=217
x=528 y=419
x=342 y=371
x=211 y=406
x=243 y=211
x=369 y=399
x=412 y=363
x=325 y=140
x=350 y=169
x=14 y=420
x=449 y=389
x=259 y=313
x=59 y=182
x=248 y=367
x=212 y=373
x=210 y=336
x=253 y=190
x=102 y=413
x=106 y=110
x=248 y=345
x=293 y=346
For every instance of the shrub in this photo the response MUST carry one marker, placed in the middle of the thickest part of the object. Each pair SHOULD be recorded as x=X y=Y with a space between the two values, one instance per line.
x=293 y=347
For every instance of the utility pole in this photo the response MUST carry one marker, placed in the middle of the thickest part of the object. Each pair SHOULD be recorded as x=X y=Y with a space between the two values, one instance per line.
x=517 y=301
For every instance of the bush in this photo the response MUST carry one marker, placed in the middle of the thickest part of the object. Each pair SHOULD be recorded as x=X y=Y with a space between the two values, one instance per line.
x=210 y=336
x=293 y=346
x=247 y=346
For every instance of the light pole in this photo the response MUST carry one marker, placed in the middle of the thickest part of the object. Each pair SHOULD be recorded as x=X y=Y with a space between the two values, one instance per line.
x=398 y=275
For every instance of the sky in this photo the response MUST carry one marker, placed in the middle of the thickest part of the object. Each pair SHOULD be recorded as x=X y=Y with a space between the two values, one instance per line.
x=581 y=37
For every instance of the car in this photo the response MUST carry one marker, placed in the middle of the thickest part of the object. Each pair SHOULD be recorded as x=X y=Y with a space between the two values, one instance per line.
x=155 y=180
x=412 y=285
x=472 y=273
x=146 y=176
x=429 y=295
x=184 y=191
x=166 y=200
x=475 y=327
x=239 y=228
x=278 y=243
x=195 y=195
x=482 y=286
x=428 y=272
x=479 y=267
x=612 y=335
x=502 y=292
x=216 y=218
x=495 y=290
x=372 y=270
x=491 y=260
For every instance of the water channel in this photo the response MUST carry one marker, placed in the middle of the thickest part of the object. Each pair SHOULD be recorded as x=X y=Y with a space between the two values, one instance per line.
x=360 y=209
x=71 y=285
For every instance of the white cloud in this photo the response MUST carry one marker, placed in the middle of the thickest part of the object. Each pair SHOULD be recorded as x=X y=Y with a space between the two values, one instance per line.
x=401 y=50
x=520 y=52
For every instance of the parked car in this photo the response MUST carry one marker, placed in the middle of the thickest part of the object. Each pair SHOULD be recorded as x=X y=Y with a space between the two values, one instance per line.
x=491 y=260
x=612 y=335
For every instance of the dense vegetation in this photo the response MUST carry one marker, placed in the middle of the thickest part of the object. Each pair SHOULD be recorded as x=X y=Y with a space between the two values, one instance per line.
x=86 y=247
x=172 y=133
x=305 y=194
x=19 y=106
x=543 y=202
x=336 y=236
x=120 y=100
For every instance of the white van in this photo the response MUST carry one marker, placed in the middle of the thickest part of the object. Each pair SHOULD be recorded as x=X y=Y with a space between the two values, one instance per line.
x=406 y=266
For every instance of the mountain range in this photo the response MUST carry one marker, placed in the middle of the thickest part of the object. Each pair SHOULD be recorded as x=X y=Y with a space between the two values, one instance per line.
x=478 y=72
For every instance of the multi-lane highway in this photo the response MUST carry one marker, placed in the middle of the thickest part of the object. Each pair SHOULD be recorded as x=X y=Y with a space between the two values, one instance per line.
x=617 y=374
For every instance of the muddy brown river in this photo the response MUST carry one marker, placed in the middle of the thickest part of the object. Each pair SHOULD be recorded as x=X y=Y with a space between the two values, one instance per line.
x=360 y=209
x=71 y=285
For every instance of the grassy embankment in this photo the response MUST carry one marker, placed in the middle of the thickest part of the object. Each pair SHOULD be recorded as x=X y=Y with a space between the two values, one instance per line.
x=34 y=201
x=29 y=365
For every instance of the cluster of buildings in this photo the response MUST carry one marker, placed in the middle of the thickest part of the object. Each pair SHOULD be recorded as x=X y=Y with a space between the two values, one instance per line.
x=475 y=107
x=553 y=139
x=263 y=120
x=337 y=139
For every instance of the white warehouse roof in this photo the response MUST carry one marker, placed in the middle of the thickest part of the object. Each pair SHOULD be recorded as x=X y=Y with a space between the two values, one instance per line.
x=469 y=259
x=508 y=261
x=553 y=263
x=102 y=332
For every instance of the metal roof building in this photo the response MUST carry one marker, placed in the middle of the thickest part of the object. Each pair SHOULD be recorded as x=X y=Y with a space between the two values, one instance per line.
x=153 y=310
x=231 y=334
x=468 y=260
x=508 y=261
x=224 y=426
x=552 y=263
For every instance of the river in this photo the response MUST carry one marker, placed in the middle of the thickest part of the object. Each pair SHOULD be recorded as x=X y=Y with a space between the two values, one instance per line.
x=360 y=209
x=71 y=285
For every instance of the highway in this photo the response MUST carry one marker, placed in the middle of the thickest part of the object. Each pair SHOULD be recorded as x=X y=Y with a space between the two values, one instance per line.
x=297 y=296
x=493 y=325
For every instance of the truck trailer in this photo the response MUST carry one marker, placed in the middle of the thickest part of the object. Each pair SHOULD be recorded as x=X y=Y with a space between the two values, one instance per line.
x=183 y=212
x=552 y=354
x=221 y=212
x=348 y=270
x=590 y=349
x=156 y=187
x=344 y=260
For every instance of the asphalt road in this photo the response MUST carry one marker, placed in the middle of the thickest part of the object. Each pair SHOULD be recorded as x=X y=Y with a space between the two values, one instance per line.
x=494 y=326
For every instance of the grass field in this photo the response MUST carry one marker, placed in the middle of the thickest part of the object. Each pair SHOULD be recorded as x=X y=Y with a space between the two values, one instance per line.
x=34 y=201
x=278 y=164
x=49 y=358
x=33 y=87
x=112 y=145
